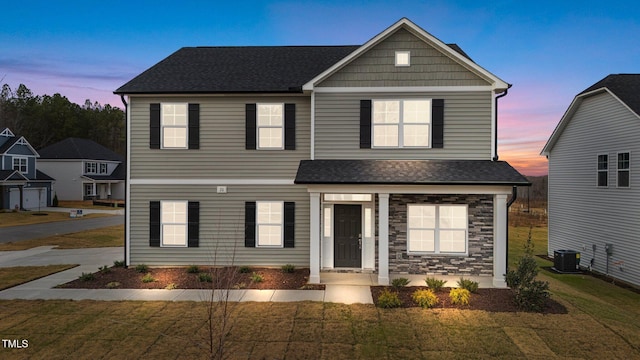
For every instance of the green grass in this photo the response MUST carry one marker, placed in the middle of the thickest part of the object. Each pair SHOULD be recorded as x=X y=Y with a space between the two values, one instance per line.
x=112 y=236
x=12 y=276
x=27 y=218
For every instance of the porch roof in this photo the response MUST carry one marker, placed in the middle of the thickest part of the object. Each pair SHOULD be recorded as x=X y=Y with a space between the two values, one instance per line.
x=407 y=172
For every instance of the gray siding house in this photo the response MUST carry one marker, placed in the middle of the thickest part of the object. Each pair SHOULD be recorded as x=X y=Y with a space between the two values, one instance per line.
x=594 y=193
x=377 y=158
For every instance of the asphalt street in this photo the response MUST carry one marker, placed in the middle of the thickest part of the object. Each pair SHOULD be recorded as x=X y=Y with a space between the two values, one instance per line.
x=25 y=232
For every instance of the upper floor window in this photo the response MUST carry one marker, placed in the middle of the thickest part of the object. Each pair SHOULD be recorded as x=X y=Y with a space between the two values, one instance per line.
x=624 y=165
x=437 y=228
x=90 y=168
x=174 y=125
x=20 y=164
x=403 y=58
x=603 y=170
x=401 y=123
x=270 y=126
x=103 y=168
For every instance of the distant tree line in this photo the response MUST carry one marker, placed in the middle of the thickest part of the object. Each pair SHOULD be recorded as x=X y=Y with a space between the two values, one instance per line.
x=47 y=119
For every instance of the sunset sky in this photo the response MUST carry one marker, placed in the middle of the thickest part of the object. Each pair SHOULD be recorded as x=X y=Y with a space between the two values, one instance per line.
x=549 y=50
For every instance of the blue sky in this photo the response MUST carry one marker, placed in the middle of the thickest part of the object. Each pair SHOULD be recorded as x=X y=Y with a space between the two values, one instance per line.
x=548 y=50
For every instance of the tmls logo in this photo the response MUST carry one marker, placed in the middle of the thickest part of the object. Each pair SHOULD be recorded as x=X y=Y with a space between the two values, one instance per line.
x=15 y=344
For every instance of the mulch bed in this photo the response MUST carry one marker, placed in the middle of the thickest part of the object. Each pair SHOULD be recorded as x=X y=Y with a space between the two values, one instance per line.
x=492 y=300
x=224 y=277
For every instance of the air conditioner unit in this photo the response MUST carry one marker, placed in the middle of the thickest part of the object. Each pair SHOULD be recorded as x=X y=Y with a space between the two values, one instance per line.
x=566 y=261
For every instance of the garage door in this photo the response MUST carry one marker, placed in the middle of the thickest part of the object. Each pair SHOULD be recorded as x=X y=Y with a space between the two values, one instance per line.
x=14 y=199
x=34 y=197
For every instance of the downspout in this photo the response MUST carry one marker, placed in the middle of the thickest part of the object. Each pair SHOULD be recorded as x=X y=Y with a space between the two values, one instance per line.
x=495 y=144
x=126 y=176
x=514 y=196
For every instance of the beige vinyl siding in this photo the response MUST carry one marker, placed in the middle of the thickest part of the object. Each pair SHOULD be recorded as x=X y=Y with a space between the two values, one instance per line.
x=467 y=127
x=221 y=226
x=222 y=152
x=580 y=213
x=429 y=67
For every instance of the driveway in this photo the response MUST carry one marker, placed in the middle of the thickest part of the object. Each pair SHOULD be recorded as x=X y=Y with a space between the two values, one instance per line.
x=26 y=232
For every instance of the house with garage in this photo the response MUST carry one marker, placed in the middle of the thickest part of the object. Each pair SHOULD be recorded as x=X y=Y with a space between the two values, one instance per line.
x=377 y=158
x=594 y=190
x=22 y=186
x=84 y=170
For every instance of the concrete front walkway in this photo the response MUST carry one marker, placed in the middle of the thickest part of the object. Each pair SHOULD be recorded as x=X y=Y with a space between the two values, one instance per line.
x=91 y=259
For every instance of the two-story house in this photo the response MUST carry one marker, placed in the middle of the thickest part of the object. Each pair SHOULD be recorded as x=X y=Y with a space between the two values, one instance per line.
x=376 y=158
x=22 y=186
x=594 y=189
x=84 y=170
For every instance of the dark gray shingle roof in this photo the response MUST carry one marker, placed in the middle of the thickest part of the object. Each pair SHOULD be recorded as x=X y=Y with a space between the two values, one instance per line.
x=625 y=86
x=408 y=172
x=76 y=148
x=117 y=174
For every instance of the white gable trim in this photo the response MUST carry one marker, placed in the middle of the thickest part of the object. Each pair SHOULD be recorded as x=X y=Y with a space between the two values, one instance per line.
x=497 y=83
x=23 y=141
x=568 y=115
x=400 y=89
x=7 y=133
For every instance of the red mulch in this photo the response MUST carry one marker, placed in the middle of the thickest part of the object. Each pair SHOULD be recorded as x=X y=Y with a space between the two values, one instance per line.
x=493 y=300
x=225 y=277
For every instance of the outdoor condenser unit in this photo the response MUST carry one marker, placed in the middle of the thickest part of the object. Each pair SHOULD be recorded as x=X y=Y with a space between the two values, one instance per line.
x=566 y=261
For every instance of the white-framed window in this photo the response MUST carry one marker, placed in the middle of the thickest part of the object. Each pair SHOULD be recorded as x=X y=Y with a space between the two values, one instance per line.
x=88 y=189
x=439 y=229
x=401 y=123
x=270 y=126
x=269 y=223
x=103 y=168
x=90 y=167
x=403 y=58
x=603 y=170
x=173 y=220
x=21 y=164
x=174 y=125
x=624 y=167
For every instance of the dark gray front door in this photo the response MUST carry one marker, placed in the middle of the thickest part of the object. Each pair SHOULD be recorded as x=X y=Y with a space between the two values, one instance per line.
x=347 y=231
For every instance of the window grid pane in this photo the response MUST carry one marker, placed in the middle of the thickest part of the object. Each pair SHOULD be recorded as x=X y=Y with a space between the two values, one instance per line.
x=416 y=135
x=269 y=223
x=270 y=137
x=417 y=111
x=173 y=216
x=385 y=135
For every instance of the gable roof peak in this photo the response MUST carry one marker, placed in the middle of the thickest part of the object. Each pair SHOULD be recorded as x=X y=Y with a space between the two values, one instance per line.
x=625 y=87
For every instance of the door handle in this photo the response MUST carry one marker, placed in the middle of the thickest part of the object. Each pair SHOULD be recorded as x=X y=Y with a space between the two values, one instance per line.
x=360 y=241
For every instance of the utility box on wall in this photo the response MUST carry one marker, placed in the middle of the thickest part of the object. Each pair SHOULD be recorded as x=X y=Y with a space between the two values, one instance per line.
x=566 y=261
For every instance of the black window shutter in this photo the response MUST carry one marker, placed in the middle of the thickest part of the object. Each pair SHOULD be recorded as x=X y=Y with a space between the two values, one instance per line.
x=193 y=228
x=250 y=224
x=194 y=126
x=289 y=126
x=154 y=126
x=365 y=124
x=154 y=223
x=250 y=129
x=437 y=121
x=289 y=224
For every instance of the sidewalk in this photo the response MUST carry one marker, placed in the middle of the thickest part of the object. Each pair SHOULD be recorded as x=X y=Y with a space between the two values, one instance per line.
x=91 y=259
x=106 y=210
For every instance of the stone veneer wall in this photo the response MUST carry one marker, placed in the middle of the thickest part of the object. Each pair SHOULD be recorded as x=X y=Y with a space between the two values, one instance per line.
x=478 y=262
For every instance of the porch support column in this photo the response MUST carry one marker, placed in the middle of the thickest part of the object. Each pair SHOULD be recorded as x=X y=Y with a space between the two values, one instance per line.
x=383 y=239
x=314 y=241
x=499 y=240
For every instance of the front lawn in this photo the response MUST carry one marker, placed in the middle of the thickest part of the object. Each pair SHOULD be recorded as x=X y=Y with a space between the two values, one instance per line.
x=112 y=236
x=35 y=217
x=17 y=275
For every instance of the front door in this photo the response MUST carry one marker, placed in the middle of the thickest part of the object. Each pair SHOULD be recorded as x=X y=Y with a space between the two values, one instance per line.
x=347 y=236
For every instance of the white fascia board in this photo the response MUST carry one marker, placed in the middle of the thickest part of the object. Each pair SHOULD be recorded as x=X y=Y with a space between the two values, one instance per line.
x=127 y=185
x=498 y=84
x=412 y=189
x=35 y=153
x=400 y=89
x=165 y=181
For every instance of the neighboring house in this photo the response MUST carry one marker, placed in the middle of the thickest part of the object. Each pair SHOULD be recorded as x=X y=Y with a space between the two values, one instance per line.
x=372 y=158
x=594 y=186
x=84 y=170
x=22 y=186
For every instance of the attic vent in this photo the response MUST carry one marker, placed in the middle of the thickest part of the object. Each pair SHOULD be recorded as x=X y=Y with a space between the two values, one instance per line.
x=403 y=58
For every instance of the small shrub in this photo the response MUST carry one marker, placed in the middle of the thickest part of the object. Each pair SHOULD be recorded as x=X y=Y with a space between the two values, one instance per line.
x=104 y=269
x=288 y=268
x=470 y=285
x=400 y=282
x=425 y=298
x=87 y=276
x=205 y=277
x=54 y=202
x=171 y=286
x=460 y=296
x=118 y=263
x=148 y=278
x=388 y=299
x=240 y=286
x=142 y=268
x=244 y=269
x=435 y=284
x=113 y=285
x=193 y=269
x=255 y=277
